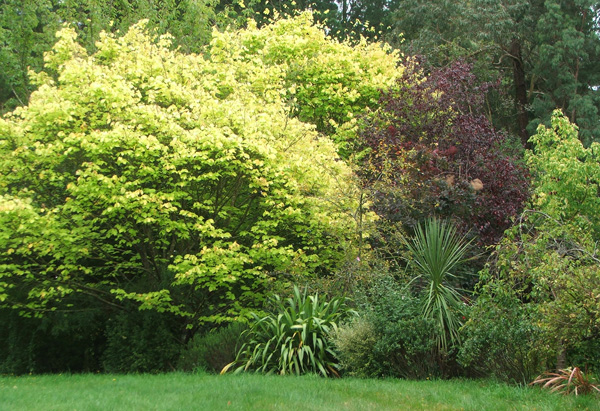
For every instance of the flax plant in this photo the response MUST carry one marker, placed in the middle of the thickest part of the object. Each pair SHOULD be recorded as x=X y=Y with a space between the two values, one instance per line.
x=435 y=252
x=294 y=338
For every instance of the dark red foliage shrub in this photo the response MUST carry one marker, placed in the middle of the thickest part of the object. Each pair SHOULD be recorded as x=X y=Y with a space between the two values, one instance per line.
x=432 y=151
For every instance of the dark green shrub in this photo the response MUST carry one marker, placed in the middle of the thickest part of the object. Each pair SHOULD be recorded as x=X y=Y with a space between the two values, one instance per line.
x=587 y=353
x=59 y=342
x=213 y=350
x=397 y=340
x=407 y=348
x=502 y=340
x=294 y=337
x=17 y=351
x=140 y=341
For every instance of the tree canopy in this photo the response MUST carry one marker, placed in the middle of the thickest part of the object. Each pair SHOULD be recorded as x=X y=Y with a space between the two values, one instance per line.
x=176 y=181
x=545 y=53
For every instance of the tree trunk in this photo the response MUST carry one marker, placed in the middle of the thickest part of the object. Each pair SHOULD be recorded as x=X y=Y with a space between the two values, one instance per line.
x=561 y=357
x=344 y=17
x=520 y=91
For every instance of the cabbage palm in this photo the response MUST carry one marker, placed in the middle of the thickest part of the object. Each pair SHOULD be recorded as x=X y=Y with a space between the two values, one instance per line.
x=436 y=251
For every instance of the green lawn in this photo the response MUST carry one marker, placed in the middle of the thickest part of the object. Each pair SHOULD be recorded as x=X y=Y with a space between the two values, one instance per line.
x=241 y=392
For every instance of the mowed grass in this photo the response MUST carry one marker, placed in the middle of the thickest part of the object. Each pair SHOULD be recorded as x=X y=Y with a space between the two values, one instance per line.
x=179 y=391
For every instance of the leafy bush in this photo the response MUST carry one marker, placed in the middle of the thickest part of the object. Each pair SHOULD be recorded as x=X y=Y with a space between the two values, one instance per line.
x=401 y=342
x=294 y=337
x=432 y=151
x=502 y=339
x=545 y=274
x=407 y=348
x=586 y=351
x=354 y=342
x=214 y=350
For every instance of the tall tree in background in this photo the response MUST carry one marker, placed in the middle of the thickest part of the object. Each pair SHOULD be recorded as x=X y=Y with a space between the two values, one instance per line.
x=368 y=18
x=237 y=12
x=567 y=74
x=27 y=29
x=543 y=51
x=509 y=27
x=343 y=18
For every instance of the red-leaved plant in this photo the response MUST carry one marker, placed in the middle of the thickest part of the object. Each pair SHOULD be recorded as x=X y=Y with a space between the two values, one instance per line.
x=568 y=381
x=433 y=151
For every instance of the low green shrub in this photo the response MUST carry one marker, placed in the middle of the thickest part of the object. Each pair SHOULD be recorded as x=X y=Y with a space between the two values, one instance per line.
x=502 y=340
x=294 y=337
x=407 y=349
x=354 y=344
x=391 y=338
x=213 y=350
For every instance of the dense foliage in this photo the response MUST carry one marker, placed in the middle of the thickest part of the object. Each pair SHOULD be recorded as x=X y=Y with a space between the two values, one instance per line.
x=325 y=82
x=142 y=178
x=544 y=51
x=545 y=272
x=392 y=337
x=158 y=186
x=27 y=29
x=500 y=339
x=432 y=151
x=213 y=350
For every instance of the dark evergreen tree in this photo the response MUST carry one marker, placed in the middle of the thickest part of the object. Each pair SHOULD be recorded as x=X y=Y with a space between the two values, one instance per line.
x=544 y=52
x=567 y=75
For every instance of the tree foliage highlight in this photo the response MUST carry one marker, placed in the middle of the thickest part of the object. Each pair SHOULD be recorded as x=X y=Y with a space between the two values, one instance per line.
x=175 y=181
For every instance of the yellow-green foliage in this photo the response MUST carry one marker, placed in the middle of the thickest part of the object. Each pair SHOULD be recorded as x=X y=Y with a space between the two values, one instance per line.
x=567 y=176
x=550 y=257
x=565 y=264
x=326 y=83
x=179 y=181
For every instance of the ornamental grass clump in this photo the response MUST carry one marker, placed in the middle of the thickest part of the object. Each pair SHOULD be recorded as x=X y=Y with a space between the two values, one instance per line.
x=293 y=338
